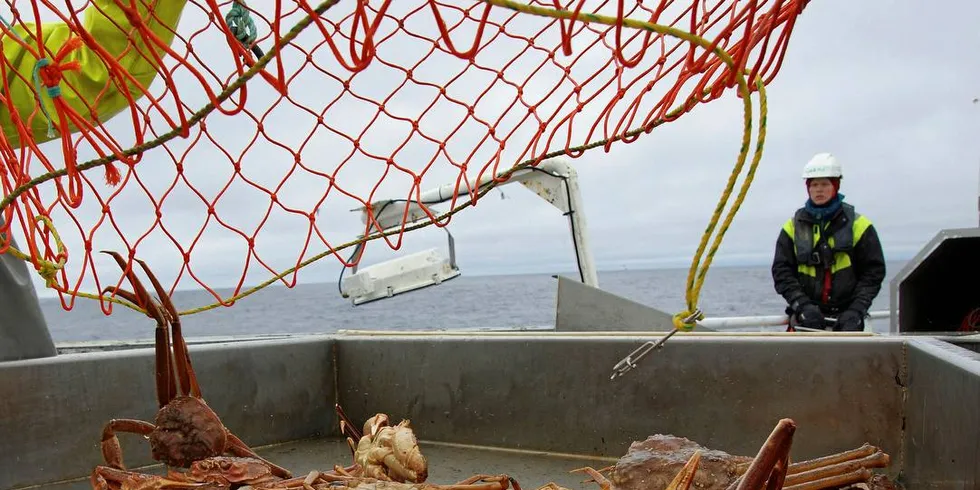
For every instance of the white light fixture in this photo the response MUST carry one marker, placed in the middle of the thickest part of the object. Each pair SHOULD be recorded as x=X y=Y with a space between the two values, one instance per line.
x=400 y=275
x=553 y=180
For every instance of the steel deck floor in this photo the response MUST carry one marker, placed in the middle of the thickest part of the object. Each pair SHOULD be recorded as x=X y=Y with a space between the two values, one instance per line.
x=447 y=464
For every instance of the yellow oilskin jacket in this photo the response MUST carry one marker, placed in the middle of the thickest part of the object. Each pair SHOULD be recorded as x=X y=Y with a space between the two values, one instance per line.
x=90 y=85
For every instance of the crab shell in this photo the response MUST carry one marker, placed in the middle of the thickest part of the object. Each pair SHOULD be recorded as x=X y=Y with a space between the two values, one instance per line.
x=187 y=430
x=225 y=471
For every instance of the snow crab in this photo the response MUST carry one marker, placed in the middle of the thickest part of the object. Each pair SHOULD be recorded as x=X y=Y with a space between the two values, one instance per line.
x=766 y=470
x=186 y=432
x=383 y=451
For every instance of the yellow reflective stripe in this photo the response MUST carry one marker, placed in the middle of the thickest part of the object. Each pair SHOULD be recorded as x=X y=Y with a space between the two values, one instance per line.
x=841 y=261
x=861 y=225
x=808 y=270
x=790 y=228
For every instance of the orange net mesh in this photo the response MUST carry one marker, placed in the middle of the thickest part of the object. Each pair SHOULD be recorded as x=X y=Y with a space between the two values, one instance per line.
x=249 y=132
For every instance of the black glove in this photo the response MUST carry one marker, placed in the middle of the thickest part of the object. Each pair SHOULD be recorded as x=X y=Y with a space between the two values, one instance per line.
x=805 y=313
x=810 y=316
x=850 y=321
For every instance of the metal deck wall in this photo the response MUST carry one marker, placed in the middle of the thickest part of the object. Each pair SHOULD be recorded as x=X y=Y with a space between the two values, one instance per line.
x=915 y=398
x=554 y=393
x=52 y=410
x=942 y=425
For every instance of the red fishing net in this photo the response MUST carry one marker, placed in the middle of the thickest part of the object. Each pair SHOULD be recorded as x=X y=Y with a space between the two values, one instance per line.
x=238 y=137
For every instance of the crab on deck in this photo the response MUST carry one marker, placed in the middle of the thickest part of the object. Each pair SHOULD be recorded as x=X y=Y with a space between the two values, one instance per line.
x=186 y=432
x=383 y=451
x=711 y=469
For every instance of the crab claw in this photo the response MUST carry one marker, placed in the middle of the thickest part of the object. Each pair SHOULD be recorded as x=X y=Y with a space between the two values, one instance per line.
x=374 y=424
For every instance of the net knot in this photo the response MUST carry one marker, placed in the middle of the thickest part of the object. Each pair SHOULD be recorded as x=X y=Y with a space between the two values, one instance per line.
x=687 y=320
x=50 y=73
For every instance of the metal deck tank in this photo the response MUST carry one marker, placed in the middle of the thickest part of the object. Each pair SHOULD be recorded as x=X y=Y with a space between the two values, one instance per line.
x=501 y=402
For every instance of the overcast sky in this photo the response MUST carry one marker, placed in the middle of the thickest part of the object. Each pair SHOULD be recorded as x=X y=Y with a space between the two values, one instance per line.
x=888 y=87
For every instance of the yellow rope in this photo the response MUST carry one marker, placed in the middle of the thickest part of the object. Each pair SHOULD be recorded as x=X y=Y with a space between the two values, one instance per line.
x=45 y=268
x=683 y=320
x=686 y=320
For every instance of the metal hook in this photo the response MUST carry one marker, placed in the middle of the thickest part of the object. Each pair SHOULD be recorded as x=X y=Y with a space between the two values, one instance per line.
x=629 y=362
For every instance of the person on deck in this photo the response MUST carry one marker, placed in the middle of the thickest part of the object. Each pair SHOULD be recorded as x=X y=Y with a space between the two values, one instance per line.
x=828 y=261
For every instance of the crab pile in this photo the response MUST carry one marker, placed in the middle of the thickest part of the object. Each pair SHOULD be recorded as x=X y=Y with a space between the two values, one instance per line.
x=199 y=452
x=653 y=462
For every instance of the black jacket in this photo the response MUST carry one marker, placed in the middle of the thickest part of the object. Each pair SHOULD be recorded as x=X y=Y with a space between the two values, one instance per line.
x=853 y=286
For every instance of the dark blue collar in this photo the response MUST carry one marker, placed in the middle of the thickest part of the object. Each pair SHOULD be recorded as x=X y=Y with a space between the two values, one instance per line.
x=827 y=211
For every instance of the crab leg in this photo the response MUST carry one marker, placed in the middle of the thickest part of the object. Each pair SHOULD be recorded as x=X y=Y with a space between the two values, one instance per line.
x=346 y=423
x=770 y=461
x=778 y=476
x=499 y=482
x=166 y=385
x=348 y=429
x=111 y=450
x=837 y=481
x=307 y=482
x=828 y=471
x=685 y=477
x=105 y=478
x=185 y=372
x=237 y=447
x=876 y=460
x=811 y=464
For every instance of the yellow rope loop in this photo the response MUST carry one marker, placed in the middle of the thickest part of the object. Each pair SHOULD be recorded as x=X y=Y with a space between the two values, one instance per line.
x=687 y=320
x=45 y=268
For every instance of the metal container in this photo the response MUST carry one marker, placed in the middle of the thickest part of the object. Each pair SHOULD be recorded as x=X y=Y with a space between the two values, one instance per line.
x=522 y=393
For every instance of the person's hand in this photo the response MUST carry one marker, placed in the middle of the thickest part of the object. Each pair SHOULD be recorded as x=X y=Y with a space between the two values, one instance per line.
x=810 y=316
x=850 y=321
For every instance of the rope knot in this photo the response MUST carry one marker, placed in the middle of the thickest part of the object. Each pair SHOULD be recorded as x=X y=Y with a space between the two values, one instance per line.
x=45 y=268
x=49 y=270
x=687 y=320
x=48 y=73
x=52 y=72
x=240 y=23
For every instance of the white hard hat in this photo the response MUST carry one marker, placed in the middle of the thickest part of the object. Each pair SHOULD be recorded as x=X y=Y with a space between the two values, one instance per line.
x=822 y=165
